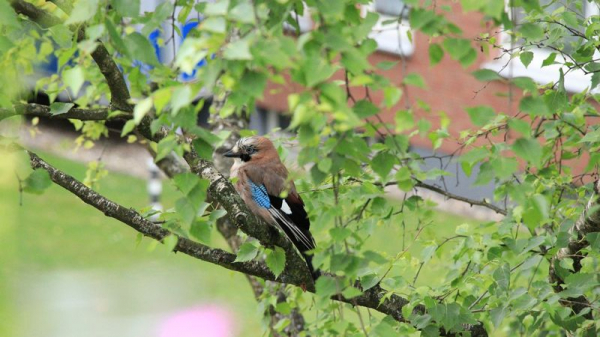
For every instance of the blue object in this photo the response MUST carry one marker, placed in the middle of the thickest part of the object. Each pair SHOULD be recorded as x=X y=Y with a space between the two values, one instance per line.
x=259 y=195
x=153 y=37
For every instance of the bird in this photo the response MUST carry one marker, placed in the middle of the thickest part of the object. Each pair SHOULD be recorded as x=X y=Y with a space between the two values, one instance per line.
x=264 y=185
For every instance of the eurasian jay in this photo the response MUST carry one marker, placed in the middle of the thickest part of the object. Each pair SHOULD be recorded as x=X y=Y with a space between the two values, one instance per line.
x=262 y=182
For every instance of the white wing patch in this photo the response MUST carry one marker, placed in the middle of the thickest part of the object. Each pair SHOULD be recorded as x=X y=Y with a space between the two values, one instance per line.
x=286 y=208
x=298 y=235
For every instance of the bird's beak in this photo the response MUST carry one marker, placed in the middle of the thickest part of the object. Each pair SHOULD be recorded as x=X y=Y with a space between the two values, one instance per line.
x=231 y=154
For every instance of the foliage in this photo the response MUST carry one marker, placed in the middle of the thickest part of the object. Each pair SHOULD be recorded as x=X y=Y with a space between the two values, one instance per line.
x=496 y=272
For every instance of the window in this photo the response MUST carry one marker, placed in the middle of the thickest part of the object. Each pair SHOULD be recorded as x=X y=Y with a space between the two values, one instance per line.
x=305 y=22
x=566 y=43
x=392 y=30
x=575 y=80
x=265 y=121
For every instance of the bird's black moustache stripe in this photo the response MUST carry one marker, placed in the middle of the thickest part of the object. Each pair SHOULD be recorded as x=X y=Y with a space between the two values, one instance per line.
x=245 y=157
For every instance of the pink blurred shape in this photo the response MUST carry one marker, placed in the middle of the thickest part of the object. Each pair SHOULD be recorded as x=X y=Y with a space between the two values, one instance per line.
x=205 y=321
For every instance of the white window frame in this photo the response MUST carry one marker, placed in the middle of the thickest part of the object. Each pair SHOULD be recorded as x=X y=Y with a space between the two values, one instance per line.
x=392 y=37
x=305 y=22
x=575 y=80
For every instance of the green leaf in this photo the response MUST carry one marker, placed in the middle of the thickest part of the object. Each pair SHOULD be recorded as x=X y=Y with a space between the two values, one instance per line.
x=128 y=127
x=531 y=31
x=382 y=164
x=415 y=80
x=497 y=315
x=59 y=108
x=549 y=60
x=141 y=49
x=448 y=315
x=502 y=277
x=471 y=158
x=404 y=120
x=591 y=137
x=594 y=240
x=436 y=53
x=247 y=252
x=520 y=126
x=141 y=109
x=528 y=149
x=526 y=83
x=457 y=48
x=127 y=8
x=534 y=105
x=386 y=65
x=182 y=97
x=481 y=115
x=326 y=286
x=427 y=252
x=74 y=79
x=37 y=182
x=486 y=75
x=595 y=80
x=165 y=146
x=526 y=58
x=243 y=12
x=8 y=17
x=276 y=260
x=368 y=281
x=384 y=329
x=391 y=96
x=365 y=108
x=217 y=8
x=170 y=242
x=203 y=148
x=186 y=182
x=62 y=35
x=351 y=292
x=201 y=230
x=83 y=11
x=354 y=61
x=238 y=50
x=214 y=24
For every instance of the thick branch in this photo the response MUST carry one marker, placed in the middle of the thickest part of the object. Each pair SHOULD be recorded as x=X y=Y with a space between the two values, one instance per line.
x=34 y=13
x=39 y=110
x=588 y=222
x=119 y=92
x=222 y=191
x=133 y=219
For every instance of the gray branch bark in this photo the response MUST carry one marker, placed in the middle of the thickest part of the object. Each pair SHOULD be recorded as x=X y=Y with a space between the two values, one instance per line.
x=39 y=110
x=136 y=221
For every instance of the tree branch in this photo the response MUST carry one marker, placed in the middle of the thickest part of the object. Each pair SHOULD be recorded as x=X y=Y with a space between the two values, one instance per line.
x=469 y=201
x=39 y=110
x=448 y=195
x=136 y=221
x=35 y=13
x=114 y=78
x=588 y=222
x=222 y=191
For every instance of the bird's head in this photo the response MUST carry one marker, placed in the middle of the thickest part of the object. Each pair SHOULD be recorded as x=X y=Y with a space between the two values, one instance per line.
x=252 y=149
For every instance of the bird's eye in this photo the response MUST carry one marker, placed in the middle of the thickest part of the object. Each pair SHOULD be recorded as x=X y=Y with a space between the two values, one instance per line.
x=251 y=150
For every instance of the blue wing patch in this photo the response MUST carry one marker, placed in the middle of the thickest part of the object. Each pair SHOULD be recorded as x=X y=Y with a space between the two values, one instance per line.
x=259 y=195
